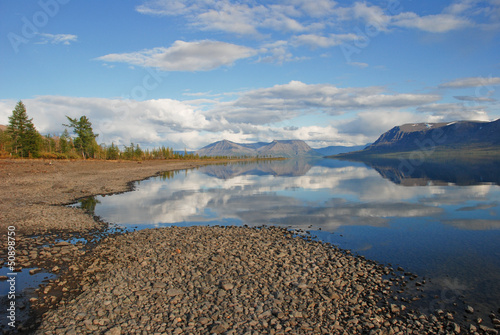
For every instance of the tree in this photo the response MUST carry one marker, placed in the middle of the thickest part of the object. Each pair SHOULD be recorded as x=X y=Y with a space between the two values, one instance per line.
x=4 y=140
x=113 y=152
x=25 y=138
x=64 y=142
x=85 y=141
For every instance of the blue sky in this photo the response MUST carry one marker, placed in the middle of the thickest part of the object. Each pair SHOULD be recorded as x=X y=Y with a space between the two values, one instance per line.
x=188 y=73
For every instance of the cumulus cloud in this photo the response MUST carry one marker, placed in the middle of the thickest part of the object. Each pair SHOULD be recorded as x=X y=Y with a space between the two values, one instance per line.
x=185 y=56
x=281 y=102
x=65 y=39
x=454 y=111
x=471 y=82
x=150 y=122
x=372 y=124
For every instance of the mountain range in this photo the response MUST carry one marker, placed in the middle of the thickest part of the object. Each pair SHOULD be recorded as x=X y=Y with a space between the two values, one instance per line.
x=287 y=149
x=451 y=136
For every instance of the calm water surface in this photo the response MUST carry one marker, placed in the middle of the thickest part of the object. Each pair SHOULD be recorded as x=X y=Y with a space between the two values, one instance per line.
x=440 y=222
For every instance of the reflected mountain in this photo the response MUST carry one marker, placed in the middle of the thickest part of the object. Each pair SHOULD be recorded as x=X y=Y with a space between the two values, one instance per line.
x=423 y=173
x=282 y=168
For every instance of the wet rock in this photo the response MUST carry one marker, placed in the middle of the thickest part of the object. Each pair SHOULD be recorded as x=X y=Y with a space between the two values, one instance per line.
x=35 y=271
x=488 y=330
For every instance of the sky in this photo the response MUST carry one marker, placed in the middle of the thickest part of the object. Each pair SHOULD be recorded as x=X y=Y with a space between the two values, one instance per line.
x=188 y=73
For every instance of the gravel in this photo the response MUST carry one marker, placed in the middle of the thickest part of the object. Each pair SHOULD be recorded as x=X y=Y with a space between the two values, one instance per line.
x=232 y=280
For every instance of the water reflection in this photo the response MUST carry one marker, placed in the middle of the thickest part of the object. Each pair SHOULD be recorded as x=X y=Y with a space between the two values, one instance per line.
x=437 y=228
x=461 y=172
x=89 y=204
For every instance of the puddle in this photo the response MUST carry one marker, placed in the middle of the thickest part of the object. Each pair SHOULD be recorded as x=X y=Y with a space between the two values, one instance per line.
x=25 y=285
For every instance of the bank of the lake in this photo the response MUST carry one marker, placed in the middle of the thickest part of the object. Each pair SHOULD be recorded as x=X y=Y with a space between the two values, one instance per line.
x=191 y=279
x=32 y=201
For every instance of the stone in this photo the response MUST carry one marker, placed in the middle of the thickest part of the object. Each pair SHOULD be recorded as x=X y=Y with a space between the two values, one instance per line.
x=488 y=330
x=227 y=286
x=394 y=308
x=117 y=330
x=34 y=271
x=469 y=309
x=219 y=328
x=172 y=292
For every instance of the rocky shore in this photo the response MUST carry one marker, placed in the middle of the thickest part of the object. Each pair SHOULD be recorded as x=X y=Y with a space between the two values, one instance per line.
x=232 y=280
x=190 y=280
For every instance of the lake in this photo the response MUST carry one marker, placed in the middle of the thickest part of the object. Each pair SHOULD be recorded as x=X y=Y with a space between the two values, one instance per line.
x=438 y=221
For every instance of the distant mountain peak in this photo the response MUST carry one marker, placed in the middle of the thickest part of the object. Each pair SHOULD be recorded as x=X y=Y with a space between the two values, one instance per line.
x=418 y=136
x=276 y=148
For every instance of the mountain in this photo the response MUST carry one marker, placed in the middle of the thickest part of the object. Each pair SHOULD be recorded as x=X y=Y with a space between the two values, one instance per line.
x=226 y=148
x=338 y=149
x=288 y=148
x=283 y=168
x=459 y=135
x=459 y=171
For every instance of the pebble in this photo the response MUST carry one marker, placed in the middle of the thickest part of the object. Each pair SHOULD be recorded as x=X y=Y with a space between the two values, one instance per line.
x=231 y=280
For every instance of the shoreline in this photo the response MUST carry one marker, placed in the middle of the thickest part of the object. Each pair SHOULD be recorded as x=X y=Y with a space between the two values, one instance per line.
x=43 y=189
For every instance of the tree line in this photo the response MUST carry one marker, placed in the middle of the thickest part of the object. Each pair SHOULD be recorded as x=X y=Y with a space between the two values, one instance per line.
x=21 y=139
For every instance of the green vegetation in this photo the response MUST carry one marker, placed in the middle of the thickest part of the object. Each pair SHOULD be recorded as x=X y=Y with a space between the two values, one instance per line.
x=22 y=136
x=84 y=142
x=21 y=139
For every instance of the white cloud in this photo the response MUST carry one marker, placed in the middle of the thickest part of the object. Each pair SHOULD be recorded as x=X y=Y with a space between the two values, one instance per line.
x=471 y=82
x=320 y=18
x=454 y=111
x=373 y=15
x=185 y=56
x=440 y=23
x=372 y=124
x=170 y=7
x=313 y=40
x=318 y=8
x=65 y=39
x=284 y=102
x=358 y=64
x=235 y=18
x=475 y=99
x=276 y=52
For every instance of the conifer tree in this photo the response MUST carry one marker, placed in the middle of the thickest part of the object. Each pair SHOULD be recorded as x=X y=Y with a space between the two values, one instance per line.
x=64 y=142
x=25 y=138
x=85 y=141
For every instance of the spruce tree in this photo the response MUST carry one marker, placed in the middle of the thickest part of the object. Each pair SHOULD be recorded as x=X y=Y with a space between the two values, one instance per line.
x=85 y=141
x=25 y=138
x=64 y=142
